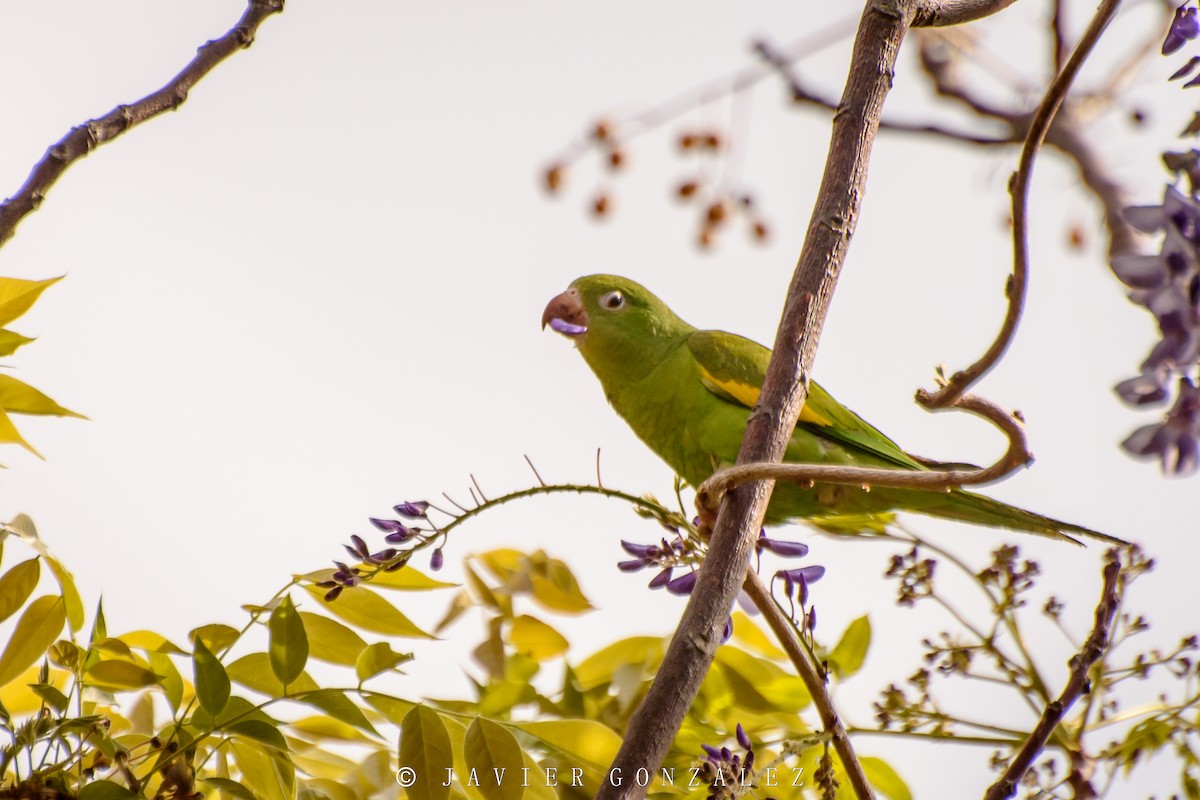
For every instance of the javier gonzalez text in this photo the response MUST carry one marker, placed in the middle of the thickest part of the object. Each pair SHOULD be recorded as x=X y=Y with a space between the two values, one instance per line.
x=550 y=776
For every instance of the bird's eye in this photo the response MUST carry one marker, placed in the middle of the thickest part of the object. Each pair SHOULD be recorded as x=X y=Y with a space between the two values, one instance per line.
x=612 y=301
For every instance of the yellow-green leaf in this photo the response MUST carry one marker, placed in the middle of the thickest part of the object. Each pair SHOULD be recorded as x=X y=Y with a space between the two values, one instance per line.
x=10 y=341
x=393 y=709
x=105 y=790
x=425 y=748
x=119 y=676
x=172 y=681
x=230 y=787
x=747 y=632
x=254 y=670
x=36 y=630
x=18 y=295
x=17 y=585
x=53 y=697
x=216 y=637
x=851 y=651
x=329 y=640
x=335 y=703
x=212 y=684
x=600 y=667
x=260 y=731
x=493 y=753
x=18 y=397
x=885 y=779
x=536 y=639
x=408 y=579
x=272 y=778
x=587 y=743
x=288 y=646
x=365 y=609
x=70 y=594
x=378 y=658
x=10 y=435
x=151 y=642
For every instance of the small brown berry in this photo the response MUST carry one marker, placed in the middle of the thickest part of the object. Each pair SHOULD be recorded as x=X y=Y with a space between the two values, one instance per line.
x=715 y=214
x=553 y=178
x=705 y=239
x=687 y=141
x=601 y=131
x=760 y=231
x=616 y=159
x=600 y=206
x=1076 y=237
x=712 y=141
x=687 y=188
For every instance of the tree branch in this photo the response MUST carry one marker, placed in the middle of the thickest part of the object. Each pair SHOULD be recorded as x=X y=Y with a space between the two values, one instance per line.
x=1077 y=684
x=1042 y=119
x=654 y=725
x=940 y=13
x=84 y=138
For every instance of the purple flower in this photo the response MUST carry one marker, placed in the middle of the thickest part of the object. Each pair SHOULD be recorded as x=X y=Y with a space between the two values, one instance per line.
x=661 y=579
x=742 y=738
x=411 y=509
x=683 y=584
x=722 y=768
x=1175 y=441
x=1184 y=27
x=1147 y=388
x=562 y=326
x=780 y=548
x=387 y=525
x=640 y=550
x=359 y=549
x=807 y=574
x=437 y=559
x=1186 y=69
x=632 y=566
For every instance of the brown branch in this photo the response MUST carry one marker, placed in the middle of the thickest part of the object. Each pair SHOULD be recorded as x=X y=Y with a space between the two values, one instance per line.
x=802 y=95
x=802 y=659
x=1042 y=119
x=655 y=723
x=1077 y=683
x=940 y=13
x=84 y=138
x=1058 y=31
x=712 y=491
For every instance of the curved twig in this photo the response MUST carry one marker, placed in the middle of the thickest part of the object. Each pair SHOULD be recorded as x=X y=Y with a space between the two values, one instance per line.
x=1019 y=188
x=1077 y=684
x=710 y=493
x=86 y=137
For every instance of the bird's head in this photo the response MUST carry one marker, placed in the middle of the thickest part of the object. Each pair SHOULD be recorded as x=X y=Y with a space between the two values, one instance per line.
x=616 y=323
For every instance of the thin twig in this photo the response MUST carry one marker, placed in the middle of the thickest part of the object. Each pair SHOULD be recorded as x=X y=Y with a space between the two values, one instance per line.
x=713 y=491
x=1077 y=683
x=535 y=472
x=810 y=672
x=84 y=138
x=1042 y=119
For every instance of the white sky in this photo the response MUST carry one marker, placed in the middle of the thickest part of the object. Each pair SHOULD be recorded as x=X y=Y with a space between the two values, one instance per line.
x=314 y=291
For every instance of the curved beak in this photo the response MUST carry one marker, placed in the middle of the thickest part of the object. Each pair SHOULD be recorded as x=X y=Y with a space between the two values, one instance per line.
x=565 y=314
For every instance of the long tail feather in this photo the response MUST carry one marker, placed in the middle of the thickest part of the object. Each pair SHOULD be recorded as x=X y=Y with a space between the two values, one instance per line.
x=980 y=510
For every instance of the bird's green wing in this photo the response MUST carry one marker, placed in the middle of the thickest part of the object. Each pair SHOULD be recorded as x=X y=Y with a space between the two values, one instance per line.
x=733 y=368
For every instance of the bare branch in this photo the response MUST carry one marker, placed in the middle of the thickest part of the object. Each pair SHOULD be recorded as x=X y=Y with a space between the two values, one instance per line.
x=712 y=491
x=939 y=13
x=1077 y=684
x=654 y=725
x=1042 y=119
x=1058 y=30
x=84 y=138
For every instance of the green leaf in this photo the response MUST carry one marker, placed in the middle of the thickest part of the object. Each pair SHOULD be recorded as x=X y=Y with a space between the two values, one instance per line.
x=212 y=683
x=493 y=753
x=151 y=642
x=394 y=710
x=18 y=295
x=535 y=638
x=272 y=778
x=172 y=681
x=230 y=787
x=36 y=630
x=364 y=609
x=884 y=778
x=18 y=397
x=425 y=748
x=51 y=696
x=851 y=651
x=408 y=579
x=70 y=594
x=329 y=640
x=10 y=435
x=254 y=670
x=258 y=730
x=216 y=637
x=746 y=632
x=586 y=743
x=600 y=667
x=378 y=658
x=105 y=790
x=288 y=647
x=10 y=341
x=337 y=705
x=118 y=676
x=17 y=585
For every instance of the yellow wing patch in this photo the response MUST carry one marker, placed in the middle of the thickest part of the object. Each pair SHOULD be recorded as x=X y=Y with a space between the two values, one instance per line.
x=747 y=394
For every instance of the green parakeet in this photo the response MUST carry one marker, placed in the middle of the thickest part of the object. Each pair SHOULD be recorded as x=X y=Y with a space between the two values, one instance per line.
x=688 y=393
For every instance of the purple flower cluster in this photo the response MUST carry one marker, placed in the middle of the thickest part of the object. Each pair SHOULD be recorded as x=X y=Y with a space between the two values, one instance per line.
x=728 y=774
x=1167 y=284
x=389 y=559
